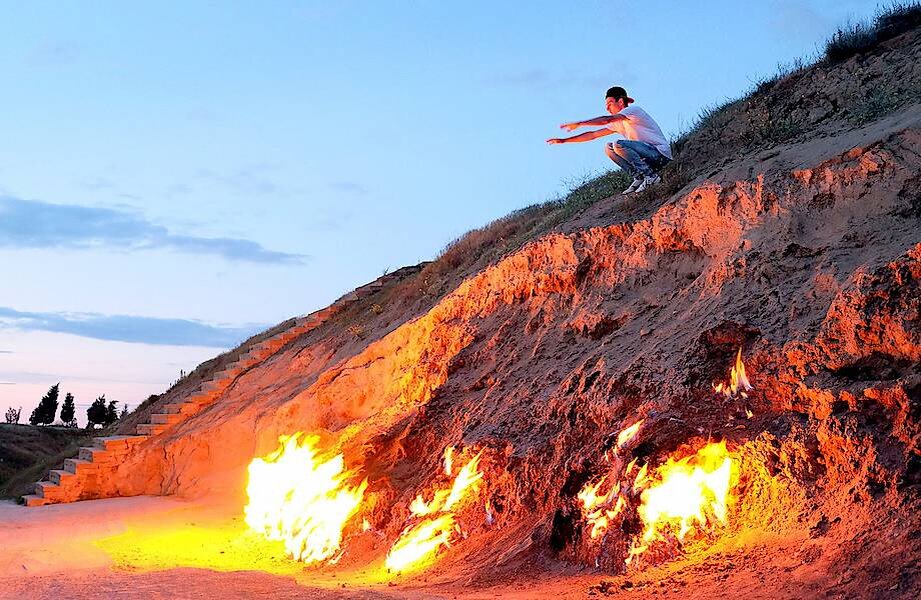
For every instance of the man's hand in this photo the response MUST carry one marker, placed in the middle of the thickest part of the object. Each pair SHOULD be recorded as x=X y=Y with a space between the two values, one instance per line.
x=556 y=141
x=570 y=126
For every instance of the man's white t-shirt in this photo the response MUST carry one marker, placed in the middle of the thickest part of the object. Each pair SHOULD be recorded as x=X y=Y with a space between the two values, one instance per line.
x=639 y=126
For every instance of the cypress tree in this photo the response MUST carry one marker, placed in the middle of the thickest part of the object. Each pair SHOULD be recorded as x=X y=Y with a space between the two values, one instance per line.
x=47 y=407
x=68 y=409
x=96 y=413
x=111 y=412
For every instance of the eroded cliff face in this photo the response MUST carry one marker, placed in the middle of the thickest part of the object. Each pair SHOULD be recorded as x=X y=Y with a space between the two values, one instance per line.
x=538 y=360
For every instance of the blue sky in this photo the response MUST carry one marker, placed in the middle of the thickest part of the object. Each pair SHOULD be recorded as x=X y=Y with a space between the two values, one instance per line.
x=176 y=175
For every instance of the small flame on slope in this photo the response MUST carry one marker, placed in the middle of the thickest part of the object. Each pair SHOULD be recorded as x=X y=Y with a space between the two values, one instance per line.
x=299 y=496
x=629 y=433
x=449 y=455
x=419 y=543
x=600 y=509
x=738 y=382
x=490 y=514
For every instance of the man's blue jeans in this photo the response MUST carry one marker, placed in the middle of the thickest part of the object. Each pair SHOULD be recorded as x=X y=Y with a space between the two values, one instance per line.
x=637 y=158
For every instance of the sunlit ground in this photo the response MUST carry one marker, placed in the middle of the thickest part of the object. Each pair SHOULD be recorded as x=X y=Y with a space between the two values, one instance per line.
x=203 y=543
x=146 y=535
x=202 y=537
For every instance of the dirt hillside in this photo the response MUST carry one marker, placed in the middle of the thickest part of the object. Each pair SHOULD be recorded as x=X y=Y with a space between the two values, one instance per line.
x=799 y=246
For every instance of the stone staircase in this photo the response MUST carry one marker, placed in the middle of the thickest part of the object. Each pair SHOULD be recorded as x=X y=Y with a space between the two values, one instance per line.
x=85 y=477
x=80 y=477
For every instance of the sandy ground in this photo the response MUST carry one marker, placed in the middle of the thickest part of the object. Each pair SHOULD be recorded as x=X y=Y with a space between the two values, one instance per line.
x=149 y=547
x=164 y=547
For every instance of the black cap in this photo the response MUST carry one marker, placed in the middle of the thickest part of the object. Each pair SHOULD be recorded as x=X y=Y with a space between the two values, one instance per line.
x=617 y=93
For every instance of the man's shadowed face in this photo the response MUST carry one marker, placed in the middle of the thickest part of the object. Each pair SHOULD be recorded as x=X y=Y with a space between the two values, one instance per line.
x=614 y=106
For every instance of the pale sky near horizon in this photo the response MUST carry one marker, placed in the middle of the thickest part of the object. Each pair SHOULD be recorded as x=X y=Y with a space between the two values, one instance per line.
x=175 y=176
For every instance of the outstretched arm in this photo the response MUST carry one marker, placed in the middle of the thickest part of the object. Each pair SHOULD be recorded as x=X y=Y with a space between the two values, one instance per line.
x=582 y=137
x=603 y=120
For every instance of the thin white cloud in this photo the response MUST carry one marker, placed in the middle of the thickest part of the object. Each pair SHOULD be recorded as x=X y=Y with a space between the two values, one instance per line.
x=36 y=224
x=129 y=328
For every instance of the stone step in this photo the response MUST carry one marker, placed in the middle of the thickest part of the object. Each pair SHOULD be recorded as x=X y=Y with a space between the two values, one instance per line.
x=200 y=398
x=166 y=419
x=348 y=298
x=35 y=500
x=250 y=358
x=228 y=373
x=190 y=408
x=47 y=489
x=173 y=409
x=151 y=429
x=113 y=442
x=94 y=454
x=79 y=466
x=61 y=477
x=211 y=386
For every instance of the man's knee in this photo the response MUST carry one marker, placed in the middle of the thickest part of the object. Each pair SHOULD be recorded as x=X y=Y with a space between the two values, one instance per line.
x=620 y=147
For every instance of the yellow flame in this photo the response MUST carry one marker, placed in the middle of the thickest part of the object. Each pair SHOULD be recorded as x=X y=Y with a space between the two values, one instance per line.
x=467 y=479
x=629 y=433
x=738 y=381
x=418 y=544
x=490 y=514
x=641 y=477
x=419 y=507
x=596 y=507
x=449 y=455
x=686 y=493
x=299 y=496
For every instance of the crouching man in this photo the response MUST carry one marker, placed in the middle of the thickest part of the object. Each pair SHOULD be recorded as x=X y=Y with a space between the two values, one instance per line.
x=642 y=153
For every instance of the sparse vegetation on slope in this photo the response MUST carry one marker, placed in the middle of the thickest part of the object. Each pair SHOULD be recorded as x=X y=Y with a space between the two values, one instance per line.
x=859 y=37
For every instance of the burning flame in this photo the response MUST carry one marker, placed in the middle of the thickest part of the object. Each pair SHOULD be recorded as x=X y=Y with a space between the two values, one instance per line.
x=629 y=433
x=600 y=509
x=449 y=455
x=737 y=380
x=299 y=496
x=419 y=543
x=490 y=514
x=684 y=494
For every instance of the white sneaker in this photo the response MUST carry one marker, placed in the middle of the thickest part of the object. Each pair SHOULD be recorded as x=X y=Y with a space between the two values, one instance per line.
x=633 y=186
x=648 y=182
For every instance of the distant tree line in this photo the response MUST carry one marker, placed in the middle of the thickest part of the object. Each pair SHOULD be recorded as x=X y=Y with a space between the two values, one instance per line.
x=100 y=412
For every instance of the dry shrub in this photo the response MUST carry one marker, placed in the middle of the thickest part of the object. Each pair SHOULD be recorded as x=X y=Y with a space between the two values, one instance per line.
x=859 y=37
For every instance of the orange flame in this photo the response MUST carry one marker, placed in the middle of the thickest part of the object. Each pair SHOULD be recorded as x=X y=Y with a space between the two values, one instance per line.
x=600 y=509
x=684 y=494
x=738 y=382
x=449 y=455
x=418 y=544
x=299 y=496
x=629 y=433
